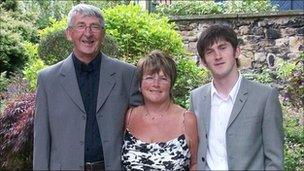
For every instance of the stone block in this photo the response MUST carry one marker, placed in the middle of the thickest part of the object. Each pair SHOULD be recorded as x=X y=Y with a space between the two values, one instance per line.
x=295 y=43
x=260 y=56
x=300 y=31
x=272 y=33
x=247 y=53
x=286 y=32
x=192 y=47
x=295 y=23
x=293 y=55
x=244 y=30
x=258 y=31
x=282 y=42
x=185 y=33
x=192 y=39
x=245 y=62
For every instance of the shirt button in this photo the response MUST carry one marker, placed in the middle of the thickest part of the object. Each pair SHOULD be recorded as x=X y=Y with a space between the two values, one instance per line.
x=203 y=159
x=81 y=167
x=81 y=142
x=83 y=117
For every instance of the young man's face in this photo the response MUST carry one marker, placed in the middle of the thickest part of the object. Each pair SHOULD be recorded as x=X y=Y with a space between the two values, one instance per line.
x=86 y=36
x=220 y=59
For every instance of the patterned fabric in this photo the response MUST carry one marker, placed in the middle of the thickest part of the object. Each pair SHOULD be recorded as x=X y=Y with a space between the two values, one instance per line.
x=171 y=155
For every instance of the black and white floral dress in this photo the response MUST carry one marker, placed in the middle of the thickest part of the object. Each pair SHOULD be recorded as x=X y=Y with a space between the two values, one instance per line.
x=171 y=155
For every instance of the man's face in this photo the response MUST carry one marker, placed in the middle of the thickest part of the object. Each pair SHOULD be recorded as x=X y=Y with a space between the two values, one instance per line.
x=220 y=59
x=87 y=36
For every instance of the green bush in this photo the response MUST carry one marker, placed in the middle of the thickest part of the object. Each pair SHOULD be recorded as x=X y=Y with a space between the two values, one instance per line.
x=54 y=46
x=211 y=7
x=3 y=81
x=190 y=8
x=33 y=66
x=9 y=5
x=14 y=30
x=46 y=11
x=137 y=32
x=294 y=139
x=248 y=6
x=189 y=77
x=295 y=86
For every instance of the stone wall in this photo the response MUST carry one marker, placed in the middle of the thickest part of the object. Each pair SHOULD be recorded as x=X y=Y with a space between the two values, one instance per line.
x=263 y=37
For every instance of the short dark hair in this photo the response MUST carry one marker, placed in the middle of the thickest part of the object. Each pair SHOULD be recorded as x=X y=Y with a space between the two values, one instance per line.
x=155 y=62
x=213 y=34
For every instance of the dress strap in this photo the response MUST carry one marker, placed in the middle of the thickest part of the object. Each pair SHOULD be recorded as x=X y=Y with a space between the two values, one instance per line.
x=129 y=114
x=184 y=121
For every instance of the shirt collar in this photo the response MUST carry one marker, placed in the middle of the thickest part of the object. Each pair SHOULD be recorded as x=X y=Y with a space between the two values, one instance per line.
x=82 y=67
x=232 y=94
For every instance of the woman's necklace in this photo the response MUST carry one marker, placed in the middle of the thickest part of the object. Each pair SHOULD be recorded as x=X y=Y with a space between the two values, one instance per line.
x=148 y=115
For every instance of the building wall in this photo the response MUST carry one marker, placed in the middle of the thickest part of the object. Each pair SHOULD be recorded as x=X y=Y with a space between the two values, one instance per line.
x=263 y=37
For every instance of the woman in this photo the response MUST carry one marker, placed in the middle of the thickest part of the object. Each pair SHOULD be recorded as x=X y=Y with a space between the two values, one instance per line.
x=159 y=135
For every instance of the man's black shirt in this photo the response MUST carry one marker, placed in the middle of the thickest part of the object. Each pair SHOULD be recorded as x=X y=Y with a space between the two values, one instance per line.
x=88 y=82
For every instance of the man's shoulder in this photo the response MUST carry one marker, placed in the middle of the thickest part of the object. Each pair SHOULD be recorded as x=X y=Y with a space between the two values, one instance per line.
x=117 y=64
x=52 y=69
x=254 y=85
x=202 y=89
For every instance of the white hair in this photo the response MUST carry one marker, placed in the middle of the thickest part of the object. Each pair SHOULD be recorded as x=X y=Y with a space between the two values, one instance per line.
x=86 y=10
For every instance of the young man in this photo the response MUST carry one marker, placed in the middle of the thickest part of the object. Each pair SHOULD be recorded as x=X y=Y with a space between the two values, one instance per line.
x=81 y=101
x=239 y=121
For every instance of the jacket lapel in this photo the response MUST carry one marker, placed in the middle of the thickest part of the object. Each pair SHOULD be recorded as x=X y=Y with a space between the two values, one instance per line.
x=239 y=101
x=69 y=82
x=106 y=81
x=206 y=107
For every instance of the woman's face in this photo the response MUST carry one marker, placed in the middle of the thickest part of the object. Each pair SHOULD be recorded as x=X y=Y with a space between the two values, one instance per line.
x=156 y=87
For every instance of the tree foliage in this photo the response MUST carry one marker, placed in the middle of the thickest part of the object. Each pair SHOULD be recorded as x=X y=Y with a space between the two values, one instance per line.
x=211 y=7
x=138 y=32
x=54 y=46
x=15 y=28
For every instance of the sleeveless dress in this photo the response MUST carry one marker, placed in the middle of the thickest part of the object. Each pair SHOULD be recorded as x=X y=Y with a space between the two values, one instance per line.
x=171 y=155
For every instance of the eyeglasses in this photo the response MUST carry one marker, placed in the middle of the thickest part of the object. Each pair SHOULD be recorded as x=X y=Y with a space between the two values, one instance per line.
x=82 y=27
x=161 y=79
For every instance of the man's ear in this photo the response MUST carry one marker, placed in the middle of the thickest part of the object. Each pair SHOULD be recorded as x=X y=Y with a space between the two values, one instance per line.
x=68 y=34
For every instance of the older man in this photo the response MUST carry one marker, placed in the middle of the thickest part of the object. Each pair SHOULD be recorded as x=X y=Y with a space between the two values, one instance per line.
x=81 y=101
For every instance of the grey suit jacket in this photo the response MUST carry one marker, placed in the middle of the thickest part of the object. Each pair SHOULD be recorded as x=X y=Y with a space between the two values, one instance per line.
x=254 y=135
x=59 y=125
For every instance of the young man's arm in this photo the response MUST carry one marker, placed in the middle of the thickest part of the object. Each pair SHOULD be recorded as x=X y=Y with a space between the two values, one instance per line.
x=273 y=136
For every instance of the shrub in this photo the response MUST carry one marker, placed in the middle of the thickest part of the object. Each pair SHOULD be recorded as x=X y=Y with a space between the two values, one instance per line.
x=189 y=77
x=33 y=66
x=189 y=8
x=46 y=11
x=295 y=83
x=54 y=46
x=14 y=29
x=16 y=133
x=9 y=5
x=137 y=32
x=3 y=81
x=211 y=7
x=248 y=6
x=294 y=139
